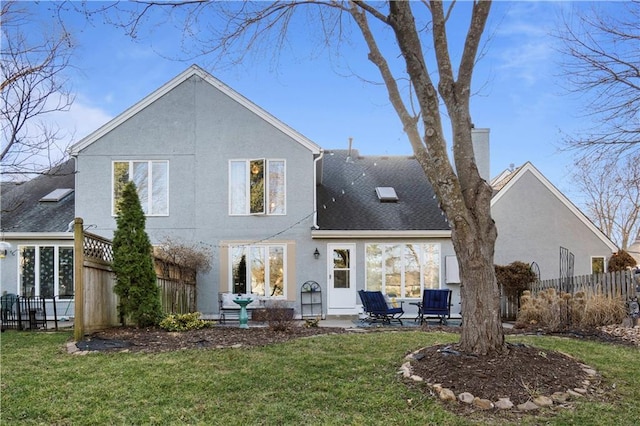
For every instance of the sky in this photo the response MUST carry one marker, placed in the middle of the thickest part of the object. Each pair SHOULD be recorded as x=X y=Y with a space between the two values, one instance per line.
x=518 y=87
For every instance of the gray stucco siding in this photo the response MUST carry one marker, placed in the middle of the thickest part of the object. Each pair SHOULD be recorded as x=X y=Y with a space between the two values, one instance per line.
x=532 y=226
x=198 y=129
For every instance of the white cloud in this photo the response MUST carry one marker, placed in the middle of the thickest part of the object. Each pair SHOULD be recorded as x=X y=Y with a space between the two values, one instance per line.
x=78 y=121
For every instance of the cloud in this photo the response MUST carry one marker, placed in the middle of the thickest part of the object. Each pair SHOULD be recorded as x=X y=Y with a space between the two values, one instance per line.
x=78 y=121
x=524 y=47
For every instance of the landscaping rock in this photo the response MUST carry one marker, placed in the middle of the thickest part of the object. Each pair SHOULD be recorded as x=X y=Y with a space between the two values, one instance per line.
x=560 y=397
x=447 y=395
x=504 y=404
x=466 y=397
x=483 y=404
x=543 y=401
x=528 y=406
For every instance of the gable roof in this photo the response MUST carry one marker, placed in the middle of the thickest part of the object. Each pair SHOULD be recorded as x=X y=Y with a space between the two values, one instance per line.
x=193 y=70
x=347 y=199
x=503 y=185
x=23 y=210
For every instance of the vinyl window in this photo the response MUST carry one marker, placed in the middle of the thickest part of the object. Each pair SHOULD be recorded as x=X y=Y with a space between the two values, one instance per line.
x=152 y=182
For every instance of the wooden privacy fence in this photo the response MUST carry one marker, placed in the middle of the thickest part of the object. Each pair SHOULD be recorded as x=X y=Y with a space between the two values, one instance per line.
x=96 y=304
x=509 y=305
x=613 y=284
x=177 y=287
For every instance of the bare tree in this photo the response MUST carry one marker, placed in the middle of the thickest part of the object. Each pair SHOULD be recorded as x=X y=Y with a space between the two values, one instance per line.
x=32 y=85
x=612 y=188
x=418 y=28
x=602 y=64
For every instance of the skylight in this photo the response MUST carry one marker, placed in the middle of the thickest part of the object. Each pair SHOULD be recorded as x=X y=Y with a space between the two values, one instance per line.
x=386 y=194
x=56 y=195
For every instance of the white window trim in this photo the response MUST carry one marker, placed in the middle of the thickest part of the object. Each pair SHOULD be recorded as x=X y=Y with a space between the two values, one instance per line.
x=149 y=201
x=56 y=269
x=267 y=268
x=247 y=207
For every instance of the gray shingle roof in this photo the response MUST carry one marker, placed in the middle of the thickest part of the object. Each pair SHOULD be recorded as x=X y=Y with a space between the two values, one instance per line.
x=347 y=197
x=22 y=210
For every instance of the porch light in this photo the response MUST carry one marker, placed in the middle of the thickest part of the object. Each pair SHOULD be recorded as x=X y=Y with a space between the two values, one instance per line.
x=316 y=253
x=4 y=248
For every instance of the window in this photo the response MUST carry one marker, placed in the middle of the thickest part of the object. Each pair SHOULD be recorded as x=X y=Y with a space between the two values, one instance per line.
x=254 y=191
x=152 y=182
x=597 y=265
x=46 y=271
x=259 y=269
x=402 y=270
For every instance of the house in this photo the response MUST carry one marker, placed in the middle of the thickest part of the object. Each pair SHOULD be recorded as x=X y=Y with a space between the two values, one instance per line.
x=538 y=224
x=213 y=168
x=379 y=220
x=35 y=227
x=277 y=210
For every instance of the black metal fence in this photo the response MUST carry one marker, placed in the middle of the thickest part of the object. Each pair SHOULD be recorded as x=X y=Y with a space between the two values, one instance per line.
x=26 y=313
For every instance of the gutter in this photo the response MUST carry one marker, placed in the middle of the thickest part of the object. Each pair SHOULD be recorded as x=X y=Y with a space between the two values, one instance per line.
x=315 y=190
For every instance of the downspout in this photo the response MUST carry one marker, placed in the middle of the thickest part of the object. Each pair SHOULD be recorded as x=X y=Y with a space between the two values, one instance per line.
x=315 y=191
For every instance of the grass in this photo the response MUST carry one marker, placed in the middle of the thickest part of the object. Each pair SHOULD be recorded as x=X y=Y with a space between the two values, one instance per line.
x=327 y=380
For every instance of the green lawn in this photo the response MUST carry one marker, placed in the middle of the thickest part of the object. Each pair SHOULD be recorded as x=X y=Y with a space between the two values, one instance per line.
x=327 y=380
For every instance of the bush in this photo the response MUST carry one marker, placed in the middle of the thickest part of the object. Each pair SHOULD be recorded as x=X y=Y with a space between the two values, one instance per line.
x=279 y=316
x=554 y=311
x=621 y=261
x=133 y=263
x=183 y=322
x=515 y=277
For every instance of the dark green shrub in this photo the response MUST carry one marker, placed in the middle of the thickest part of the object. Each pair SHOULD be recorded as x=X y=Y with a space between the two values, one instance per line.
x=133 y=263
x=183 y=322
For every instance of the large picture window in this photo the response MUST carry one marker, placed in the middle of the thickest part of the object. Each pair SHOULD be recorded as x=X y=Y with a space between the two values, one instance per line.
x=402 y=270
x=152 y=182
x=257 y=187
x=46 y=271
x=258 y=269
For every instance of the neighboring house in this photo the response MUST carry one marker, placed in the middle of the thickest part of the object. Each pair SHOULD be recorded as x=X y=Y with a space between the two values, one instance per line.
x=276 y=209
x=37 y=217
x=537 y=223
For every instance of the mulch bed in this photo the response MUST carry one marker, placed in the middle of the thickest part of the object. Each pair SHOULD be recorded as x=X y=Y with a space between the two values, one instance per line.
x=155 y=339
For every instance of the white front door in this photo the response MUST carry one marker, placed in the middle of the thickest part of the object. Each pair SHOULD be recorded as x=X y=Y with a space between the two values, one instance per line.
x=342 y=282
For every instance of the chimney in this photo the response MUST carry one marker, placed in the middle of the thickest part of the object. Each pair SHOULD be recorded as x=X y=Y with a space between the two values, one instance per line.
x=349 y=160
x=480 y=139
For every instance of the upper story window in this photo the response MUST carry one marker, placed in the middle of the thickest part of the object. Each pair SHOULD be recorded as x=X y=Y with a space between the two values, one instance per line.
x=152 y=182
x=257 y=187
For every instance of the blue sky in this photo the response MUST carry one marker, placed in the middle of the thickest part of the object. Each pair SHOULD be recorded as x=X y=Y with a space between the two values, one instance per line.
x=519 y=97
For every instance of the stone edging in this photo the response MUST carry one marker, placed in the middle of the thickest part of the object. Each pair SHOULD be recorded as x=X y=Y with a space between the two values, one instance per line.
x=541 y=401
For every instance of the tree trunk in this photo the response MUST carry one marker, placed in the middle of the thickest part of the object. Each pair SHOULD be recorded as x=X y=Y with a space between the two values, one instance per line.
x=482 y=331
